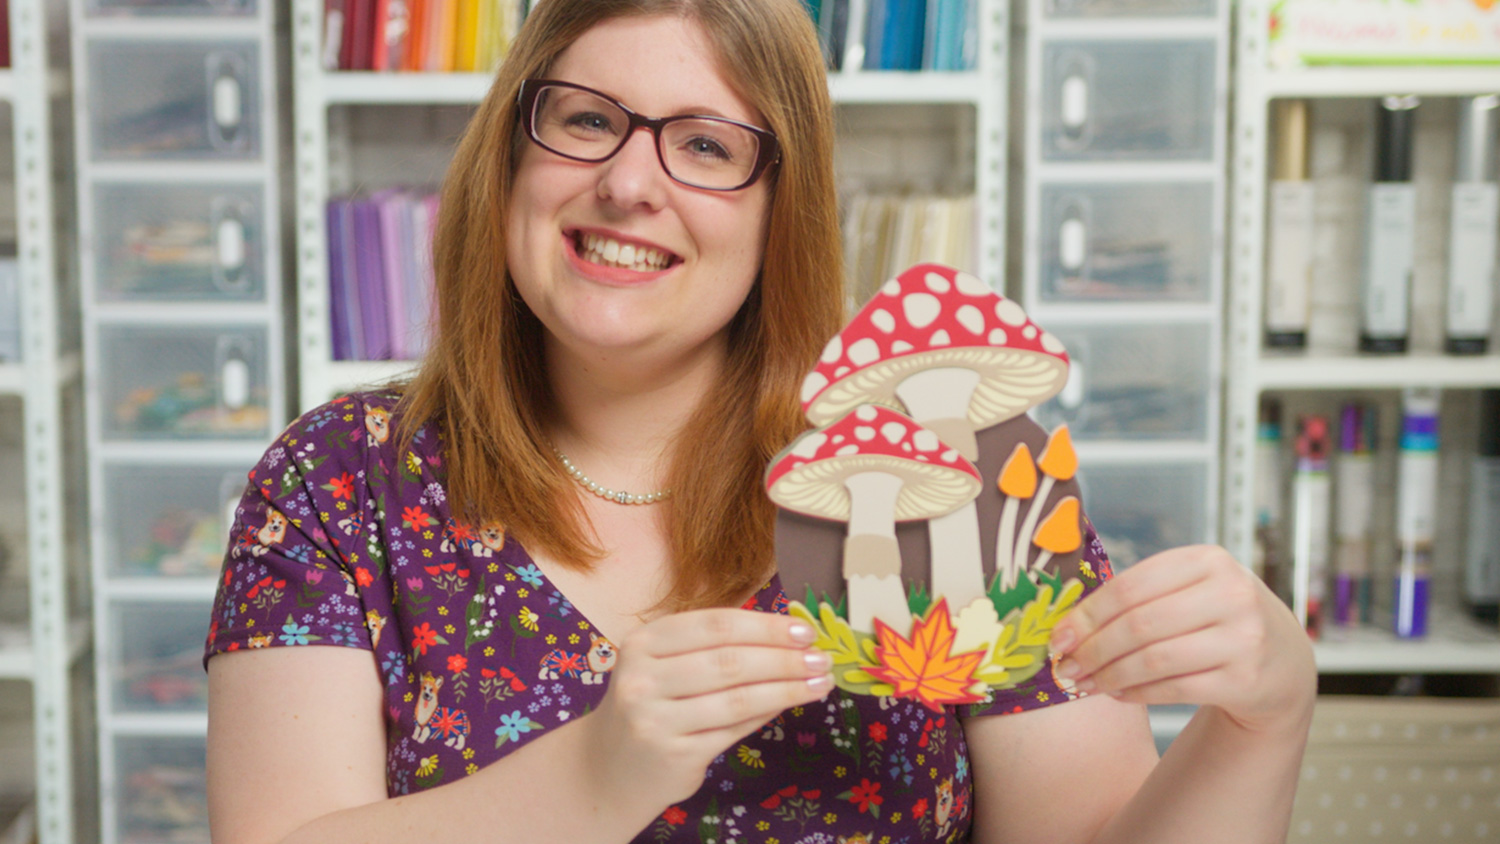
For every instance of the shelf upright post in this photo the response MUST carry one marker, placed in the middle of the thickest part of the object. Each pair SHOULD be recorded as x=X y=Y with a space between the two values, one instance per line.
x=310 y=133
x=992 y=141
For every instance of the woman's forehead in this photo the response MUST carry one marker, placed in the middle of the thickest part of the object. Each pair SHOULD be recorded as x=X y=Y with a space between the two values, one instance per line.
x=658 y=65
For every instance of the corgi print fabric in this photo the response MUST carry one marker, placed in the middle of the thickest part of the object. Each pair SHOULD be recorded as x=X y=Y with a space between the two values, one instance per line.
x=341 y=540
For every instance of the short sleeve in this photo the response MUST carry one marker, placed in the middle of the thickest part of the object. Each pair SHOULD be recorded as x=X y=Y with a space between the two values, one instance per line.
x=287 y=578
x=1045 y=688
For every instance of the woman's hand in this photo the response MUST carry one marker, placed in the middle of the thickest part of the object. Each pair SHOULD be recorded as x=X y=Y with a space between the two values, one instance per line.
x=1191 y=625
x=686 y=687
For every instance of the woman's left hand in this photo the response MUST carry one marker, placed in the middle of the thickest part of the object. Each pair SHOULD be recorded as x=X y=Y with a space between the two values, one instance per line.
x=1191 y=625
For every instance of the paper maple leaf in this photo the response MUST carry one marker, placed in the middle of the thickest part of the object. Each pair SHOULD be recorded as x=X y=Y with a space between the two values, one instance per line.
x=924 y=667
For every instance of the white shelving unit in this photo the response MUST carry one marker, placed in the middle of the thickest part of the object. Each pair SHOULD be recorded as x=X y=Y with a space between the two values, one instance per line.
x=1454 y=644
x=324 y=156
x=180 y=260
x=44 y=650
x=1126 y=108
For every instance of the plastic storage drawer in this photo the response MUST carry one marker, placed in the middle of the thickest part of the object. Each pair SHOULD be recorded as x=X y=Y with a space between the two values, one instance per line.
x=1128 y=101
x=1129 y=8
x=1129 y=241
x=170 y=100
x=184 y=382
x=1140 y=509
x=179 y=243
x=157 y=664
x=138 y=8
x=160 y=793
x=169 y=521
x=1133 y=381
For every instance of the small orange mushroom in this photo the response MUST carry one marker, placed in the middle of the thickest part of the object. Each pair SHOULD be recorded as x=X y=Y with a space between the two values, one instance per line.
x=1059 y=460
x=1018 y=476
x=1058 y=534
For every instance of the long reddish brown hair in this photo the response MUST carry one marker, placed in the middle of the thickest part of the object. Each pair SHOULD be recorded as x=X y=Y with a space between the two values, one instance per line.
x=484 y=381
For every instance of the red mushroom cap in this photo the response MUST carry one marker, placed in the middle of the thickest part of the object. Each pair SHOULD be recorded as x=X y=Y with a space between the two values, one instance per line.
x=933 y=316
x=808 y=475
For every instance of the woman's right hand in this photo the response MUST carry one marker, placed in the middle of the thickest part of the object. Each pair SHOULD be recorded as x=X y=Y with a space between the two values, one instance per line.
x=686 y=687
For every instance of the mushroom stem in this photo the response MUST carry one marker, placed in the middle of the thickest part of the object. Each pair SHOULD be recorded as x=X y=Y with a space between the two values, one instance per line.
x=1033 y=514
x=1005 y=566
x=957 y=564
x=939 y=399
x=872 y=559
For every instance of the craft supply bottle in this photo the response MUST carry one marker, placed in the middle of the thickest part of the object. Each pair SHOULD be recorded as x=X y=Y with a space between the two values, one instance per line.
x=1266 y=562
x=1416 y=508
x=1310 y=512
x=1390 y=230
x=1482 y=549
x=1289 y=230
x=1473 y=229
x=1354 y=487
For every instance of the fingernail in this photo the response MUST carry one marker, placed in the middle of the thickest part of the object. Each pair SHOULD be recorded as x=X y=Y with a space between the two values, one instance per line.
x=817 y=661
x=1062 y=641
x=1068 y=669
x=1086 y=686
x=803 y=634
x=821 y=684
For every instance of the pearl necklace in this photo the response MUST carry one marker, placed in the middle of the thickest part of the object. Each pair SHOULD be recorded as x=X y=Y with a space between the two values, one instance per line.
x=605 y=492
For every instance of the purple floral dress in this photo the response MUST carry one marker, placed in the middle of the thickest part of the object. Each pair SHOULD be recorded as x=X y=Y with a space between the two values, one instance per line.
x=341 y=540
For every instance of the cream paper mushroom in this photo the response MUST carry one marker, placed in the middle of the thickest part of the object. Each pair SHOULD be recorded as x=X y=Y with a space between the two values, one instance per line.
x=958 y=358
x=872 y=468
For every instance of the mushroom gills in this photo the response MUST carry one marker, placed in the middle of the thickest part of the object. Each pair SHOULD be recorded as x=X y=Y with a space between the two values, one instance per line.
x=939 y=399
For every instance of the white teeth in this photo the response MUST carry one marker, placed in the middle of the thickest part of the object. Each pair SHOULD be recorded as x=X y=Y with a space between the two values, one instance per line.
x=603 y=250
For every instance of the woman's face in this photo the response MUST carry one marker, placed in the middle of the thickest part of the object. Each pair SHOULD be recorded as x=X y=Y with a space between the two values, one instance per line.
x=564 y=213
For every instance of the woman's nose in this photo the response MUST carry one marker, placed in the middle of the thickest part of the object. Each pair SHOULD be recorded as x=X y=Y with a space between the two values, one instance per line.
x=634 y=175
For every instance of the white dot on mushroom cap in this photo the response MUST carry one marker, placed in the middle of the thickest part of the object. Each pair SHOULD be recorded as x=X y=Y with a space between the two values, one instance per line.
x=970 y=317
x=1029 y=332
x=937 y=284
x=950 y=455
x=841 y=372
x=900 y=347
x=864 y=352
x=921 y=309
x=926 y=440
x=891 y=288
x=940 y=338
x=906 y=446
x=883 y=320
x=1009 y=312
x=997 y=337
x=970 y=285
x=808 y=446
x=864 y=433
x=837 y=438
x=893 y=432
x=1051 y=343
x=847 y=450
x=812 y=385
x=834 y=350
x=866 y=412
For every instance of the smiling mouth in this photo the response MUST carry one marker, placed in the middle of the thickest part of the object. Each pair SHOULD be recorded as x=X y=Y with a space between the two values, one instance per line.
x=608 y=252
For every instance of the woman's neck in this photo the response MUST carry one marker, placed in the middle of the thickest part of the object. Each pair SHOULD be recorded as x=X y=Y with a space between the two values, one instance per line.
x=616 y=419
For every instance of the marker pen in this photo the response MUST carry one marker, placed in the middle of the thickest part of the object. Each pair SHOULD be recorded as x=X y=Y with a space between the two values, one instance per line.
x=1354 y=484
x=1390 y=230
x=1416 y=508
x=1289 y=230
x=1266 y=562
x=1310 y=511
x=1472 y=235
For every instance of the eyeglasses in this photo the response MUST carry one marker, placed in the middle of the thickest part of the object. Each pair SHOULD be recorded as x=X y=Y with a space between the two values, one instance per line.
x=712 y=153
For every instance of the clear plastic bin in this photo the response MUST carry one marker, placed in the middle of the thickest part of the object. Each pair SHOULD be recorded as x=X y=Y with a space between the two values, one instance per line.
x=1128 y=101
x=191 y=383
x=1133 y=382
x=179 y=243
x=160 y=792
x=168 y=100
x=157 y=660
x=1129 y=8
x=174 y=8
x=1140 y=509
x=1126 y=242
x=169 y=521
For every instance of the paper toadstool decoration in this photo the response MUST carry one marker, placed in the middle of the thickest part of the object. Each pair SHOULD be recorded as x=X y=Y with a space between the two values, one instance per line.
x=964 y=365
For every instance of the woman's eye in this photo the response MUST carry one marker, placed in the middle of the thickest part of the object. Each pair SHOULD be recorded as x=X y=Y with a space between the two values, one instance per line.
x=591 y=121
x=708 y=148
